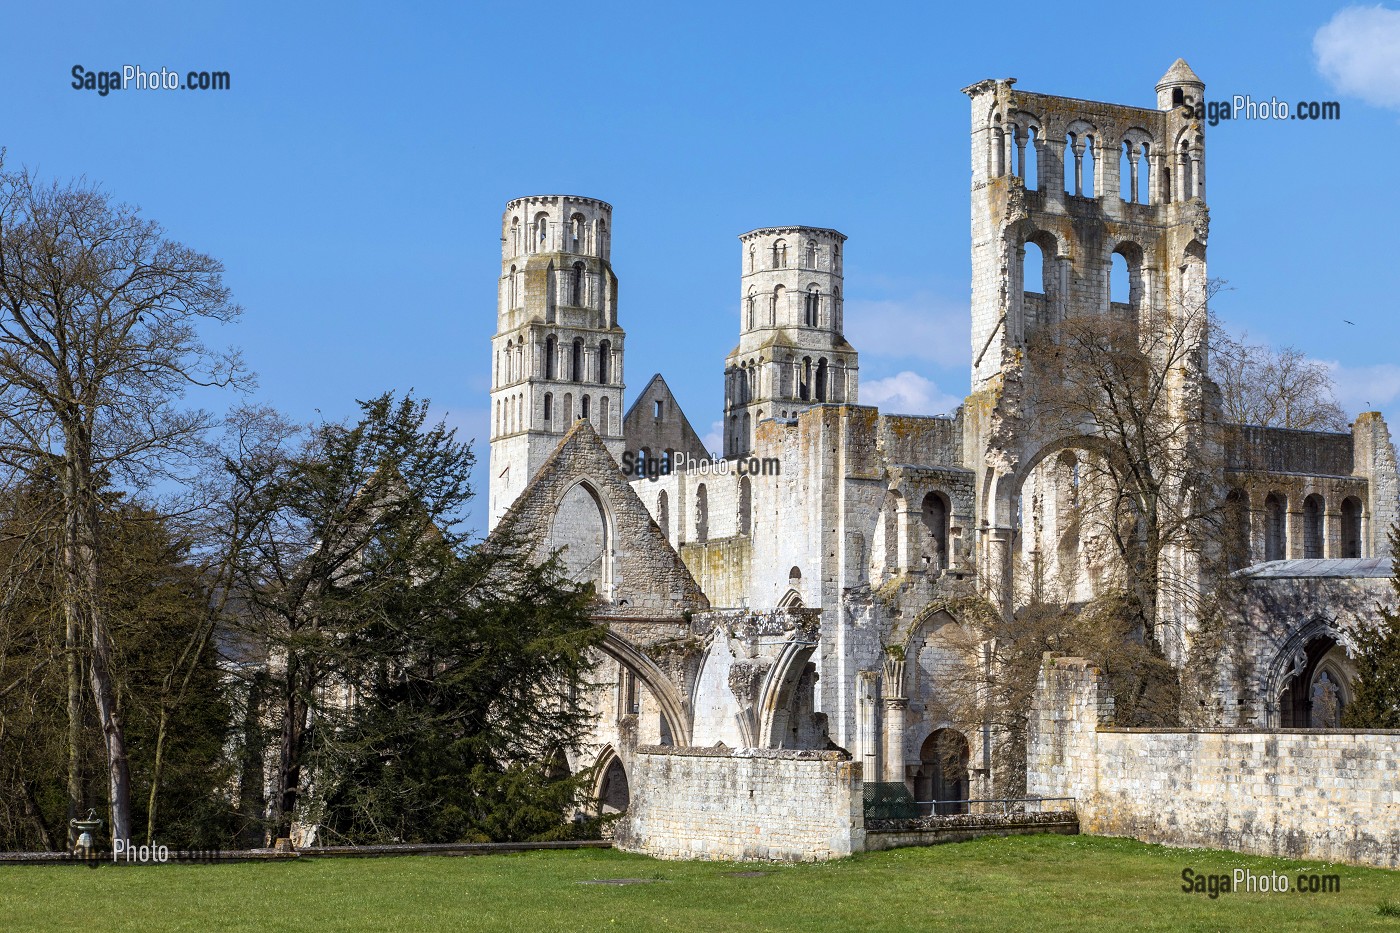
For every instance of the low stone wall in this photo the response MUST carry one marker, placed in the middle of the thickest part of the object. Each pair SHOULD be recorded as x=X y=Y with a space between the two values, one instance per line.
x=719 y=803
x=1304 y=793
x=934 y=830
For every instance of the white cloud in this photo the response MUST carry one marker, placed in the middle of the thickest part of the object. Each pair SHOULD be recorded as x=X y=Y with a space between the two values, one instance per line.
x=922 y=326
x=1358 y=52
x=1365 y=388
x=907 y=393
x=714 y=438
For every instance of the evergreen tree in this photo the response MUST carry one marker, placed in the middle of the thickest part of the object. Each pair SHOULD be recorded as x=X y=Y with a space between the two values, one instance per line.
x=419 y=684
x=1376 y=693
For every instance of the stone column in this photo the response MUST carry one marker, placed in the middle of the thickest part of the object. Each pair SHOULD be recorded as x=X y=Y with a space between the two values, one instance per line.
x=997 y=566
x=896 y=705
x=1331 y=532
x=1293 y=545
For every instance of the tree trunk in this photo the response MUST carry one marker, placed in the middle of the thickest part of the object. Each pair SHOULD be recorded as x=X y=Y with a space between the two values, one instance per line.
x=72 y=640
x=252 y=788
x=82 y=603
x=289 y=753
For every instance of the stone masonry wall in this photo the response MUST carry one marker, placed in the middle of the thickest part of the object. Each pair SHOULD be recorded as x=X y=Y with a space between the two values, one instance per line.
x=718 y=803
x=1316 y=794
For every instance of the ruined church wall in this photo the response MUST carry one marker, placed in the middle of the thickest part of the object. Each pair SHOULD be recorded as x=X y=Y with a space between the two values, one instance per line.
x=754 y=804
x=1250 y=448
x=1332 y=795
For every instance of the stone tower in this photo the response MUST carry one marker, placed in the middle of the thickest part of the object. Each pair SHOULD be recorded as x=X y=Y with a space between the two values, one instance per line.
x=792 y=352
x=1069 y=198
x=557 y=351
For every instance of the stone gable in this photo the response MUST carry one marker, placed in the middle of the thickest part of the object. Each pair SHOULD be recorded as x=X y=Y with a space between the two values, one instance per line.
x=581 y=505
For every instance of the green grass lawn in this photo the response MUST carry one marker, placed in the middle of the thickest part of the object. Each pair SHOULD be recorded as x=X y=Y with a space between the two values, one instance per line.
x=1039 y=883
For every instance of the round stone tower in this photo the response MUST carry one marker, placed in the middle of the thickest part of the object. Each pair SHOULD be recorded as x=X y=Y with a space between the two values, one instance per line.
x=792 y=352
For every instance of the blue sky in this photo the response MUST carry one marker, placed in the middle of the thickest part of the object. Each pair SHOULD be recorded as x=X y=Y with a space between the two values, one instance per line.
x=353 y=177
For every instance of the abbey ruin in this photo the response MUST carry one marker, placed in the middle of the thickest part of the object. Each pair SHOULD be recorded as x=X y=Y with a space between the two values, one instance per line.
x=787 y=624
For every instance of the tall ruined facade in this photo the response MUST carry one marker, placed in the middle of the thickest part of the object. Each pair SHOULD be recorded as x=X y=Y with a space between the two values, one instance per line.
x=800 y=595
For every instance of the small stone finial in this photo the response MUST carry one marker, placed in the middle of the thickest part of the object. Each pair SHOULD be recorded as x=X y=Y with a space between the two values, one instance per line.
x=1178 y=74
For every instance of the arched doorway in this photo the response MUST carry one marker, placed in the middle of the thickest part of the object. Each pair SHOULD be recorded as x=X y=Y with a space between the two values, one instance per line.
x=613 y=793
x=942 y=776
x=1319 y=687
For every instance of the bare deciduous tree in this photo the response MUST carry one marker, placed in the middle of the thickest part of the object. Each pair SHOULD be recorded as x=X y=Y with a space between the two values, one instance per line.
x=1135 y=392
x=1272 y=388
x=99 y=338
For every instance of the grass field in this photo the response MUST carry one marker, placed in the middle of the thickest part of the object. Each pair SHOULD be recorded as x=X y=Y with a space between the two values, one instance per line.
x=1039 y=883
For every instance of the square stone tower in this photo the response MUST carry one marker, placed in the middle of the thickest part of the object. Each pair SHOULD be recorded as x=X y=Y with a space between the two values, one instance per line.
x=557 y=352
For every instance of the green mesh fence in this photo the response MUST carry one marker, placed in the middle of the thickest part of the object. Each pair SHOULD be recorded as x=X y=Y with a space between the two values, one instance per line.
x=889 y=800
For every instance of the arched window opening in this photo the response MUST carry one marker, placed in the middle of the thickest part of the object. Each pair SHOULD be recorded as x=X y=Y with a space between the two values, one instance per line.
x=934 y=514
x=753 y=254
x=515 y=236
x=779 y=254
x=1275 y=527
x=805 y=389
x=1351 y=527
x=942 y=778
x=577 y=227
x=541 y=230
x=548 y=411
x=1031 y=177
x=1313 y=509
x=777 y=309
x=837 y=324
x=748 y=307
x=568 y=413
x=586 y=411
x=551 y=354
x=600 y=237
x=1033 y=268
x=1073 y=166
x=1178 y=98
x=510 y=288
x=1187 y=177
x=605 y=415
x=821 y=379
x=1118 y=284
x=746 y=427
x=1091 y=185
x=605 y=362
x=1127 y=284
x=1127 y=172
x=810 y=304
x=745 y=505
x=576 y=286
x=811 y=254
x=1144 y=173
x=998 y=147
x=576 y=361
x=702 y=515
x=663 y=514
